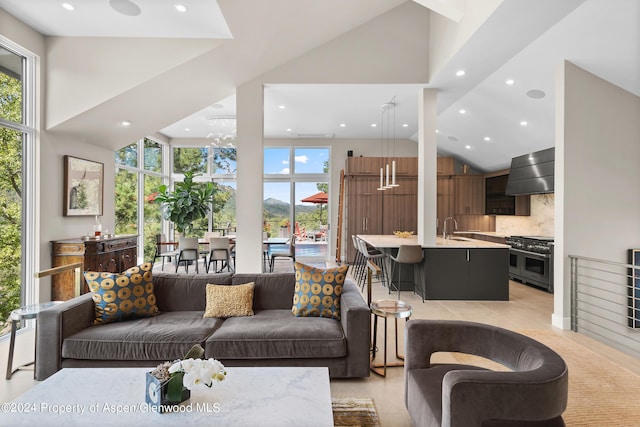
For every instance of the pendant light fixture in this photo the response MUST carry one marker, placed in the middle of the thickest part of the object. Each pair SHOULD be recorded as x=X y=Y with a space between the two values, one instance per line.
x=388 y=108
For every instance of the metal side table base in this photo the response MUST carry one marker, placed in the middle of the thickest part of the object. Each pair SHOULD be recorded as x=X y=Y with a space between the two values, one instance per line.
x=387 y=309
x=18 y=315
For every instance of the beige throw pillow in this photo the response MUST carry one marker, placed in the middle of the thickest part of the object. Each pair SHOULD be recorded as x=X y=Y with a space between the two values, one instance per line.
x=229 y=301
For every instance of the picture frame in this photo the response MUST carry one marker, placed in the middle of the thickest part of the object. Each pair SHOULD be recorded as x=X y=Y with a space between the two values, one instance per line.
x=83 y=187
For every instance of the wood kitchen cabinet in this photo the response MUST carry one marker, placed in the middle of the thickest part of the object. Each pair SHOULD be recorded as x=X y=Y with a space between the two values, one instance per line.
x=444 y=201
x=114 y=255
x=445 y=166
x=467 y=274
x=371 y=211
x=468 y=195
x=398 y=204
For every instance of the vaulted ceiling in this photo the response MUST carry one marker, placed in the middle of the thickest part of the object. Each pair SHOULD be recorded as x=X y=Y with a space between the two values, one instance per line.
x=179 y=71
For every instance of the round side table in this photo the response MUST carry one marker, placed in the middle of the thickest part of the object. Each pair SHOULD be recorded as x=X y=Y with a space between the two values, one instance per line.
x=23 y=313
x=386 y=309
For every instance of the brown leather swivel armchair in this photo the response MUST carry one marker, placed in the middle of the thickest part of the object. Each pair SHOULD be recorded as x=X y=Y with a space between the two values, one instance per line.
x=533 y=393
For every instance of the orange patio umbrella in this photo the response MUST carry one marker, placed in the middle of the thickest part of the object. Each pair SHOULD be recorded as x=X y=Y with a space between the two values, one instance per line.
x=318 y=198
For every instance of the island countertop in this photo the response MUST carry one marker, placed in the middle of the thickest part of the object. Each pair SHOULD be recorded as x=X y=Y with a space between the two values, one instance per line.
x=381 y=241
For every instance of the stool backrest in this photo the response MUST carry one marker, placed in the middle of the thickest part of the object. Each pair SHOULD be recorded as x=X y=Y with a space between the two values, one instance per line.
x=409 y=254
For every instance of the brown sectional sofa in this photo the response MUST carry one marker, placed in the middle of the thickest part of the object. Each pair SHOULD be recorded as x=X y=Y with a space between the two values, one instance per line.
x=272 y=337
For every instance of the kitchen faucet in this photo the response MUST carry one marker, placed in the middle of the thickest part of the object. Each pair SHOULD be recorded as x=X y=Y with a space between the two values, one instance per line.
x=444 y=226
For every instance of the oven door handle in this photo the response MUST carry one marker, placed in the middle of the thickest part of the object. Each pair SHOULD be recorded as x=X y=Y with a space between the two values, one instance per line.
x=530 y=253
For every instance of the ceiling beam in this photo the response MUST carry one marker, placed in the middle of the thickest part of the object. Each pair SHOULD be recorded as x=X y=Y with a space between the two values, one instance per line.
x=442 y=8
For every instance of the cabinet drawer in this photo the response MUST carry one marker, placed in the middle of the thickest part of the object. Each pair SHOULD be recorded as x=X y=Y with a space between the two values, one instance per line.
x=67 y=249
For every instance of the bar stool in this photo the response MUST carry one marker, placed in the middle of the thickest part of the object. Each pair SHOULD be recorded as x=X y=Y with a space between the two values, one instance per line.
x=409 y=255
x=358 y=261
x=371 y=254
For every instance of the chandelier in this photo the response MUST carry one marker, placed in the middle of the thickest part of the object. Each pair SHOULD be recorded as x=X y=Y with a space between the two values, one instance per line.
x=223 y=133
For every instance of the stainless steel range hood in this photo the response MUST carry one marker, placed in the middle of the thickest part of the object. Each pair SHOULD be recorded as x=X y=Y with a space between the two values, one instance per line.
x=532 y=173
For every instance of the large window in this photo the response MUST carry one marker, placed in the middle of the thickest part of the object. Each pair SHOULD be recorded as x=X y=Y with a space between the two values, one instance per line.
x=296 y=195
x=218 y=165
x=139 y=173
x=17 y=178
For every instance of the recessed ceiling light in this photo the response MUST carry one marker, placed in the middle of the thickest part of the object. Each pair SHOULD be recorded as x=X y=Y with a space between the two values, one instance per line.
x=342 y=125
x=187 y=129
x=486 y=138
x=536 y=94
x=373 y=125
x=523 y=123
x=68 y=6
x=282 y=107
x=437 y=131
x=405 y=125
x=468 y=147
x=463 y=111
x=181 y=8
x=125 y=123
x=460 y=73
x=289 y=130
x=510 y=82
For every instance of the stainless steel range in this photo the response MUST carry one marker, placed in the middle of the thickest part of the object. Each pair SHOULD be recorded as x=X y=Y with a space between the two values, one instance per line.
x=531 y=260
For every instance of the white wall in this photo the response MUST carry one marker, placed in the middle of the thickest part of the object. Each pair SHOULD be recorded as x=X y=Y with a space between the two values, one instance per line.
x=392 y=48
x=597 y=175
x=447 y=37
x=80 y=79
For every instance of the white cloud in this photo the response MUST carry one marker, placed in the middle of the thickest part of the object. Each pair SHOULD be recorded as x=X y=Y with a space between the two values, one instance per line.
x=284 y=171
x=285 y=162
x=301 y=159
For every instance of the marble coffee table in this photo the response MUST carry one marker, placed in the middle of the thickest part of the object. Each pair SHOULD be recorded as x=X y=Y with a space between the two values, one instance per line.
x=277 y=396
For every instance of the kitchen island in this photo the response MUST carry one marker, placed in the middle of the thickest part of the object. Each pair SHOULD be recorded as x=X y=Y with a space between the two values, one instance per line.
x=455 y=269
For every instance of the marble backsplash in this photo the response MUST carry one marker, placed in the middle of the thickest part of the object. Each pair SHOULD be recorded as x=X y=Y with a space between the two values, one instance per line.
x=539 y=223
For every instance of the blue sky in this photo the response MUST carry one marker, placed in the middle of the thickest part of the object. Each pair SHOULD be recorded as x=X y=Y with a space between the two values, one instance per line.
x=306 y=160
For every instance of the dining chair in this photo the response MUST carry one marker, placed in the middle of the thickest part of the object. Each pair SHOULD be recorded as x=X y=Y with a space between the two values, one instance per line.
x=290 y=252
x=219 y=250
x=265 y=252
x=160 y=250
x=210 y=234
x=188 y=251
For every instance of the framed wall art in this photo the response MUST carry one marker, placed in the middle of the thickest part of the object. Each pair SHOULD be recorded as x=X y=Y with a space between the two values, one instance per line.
x=83 y=187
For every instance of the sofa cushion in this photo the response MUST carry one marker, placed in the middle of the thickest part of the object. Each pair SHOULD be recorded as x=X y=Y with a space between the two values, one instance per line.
x=229 y=301
x=128 y=295
x=167 y=336
x=318 y=290
x=185 y=292
x=272 y=291
x=276 y=334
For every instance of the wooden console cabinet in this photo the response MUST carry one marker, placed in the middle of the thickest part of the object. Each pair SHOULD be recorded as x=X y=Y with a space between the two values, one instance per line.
x=114 y=255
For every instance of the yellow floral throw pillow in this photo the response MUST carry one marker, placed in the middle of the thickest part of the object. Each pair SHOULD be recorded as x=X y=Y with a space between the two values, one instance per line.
x=317 y=292
x=123 y=296
x=229 y=301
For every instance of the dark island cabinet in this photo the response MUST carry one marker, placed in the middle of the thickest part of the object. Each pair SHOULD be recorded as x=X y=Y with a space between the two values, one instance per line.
x=114 y=255
x=467 y=274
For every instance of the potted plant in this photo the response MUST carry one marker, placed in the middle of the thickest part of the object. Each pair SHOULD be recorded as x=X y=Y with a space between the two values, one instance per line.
x=189 y=202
